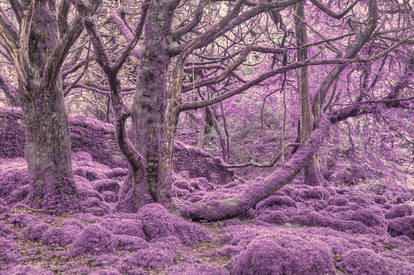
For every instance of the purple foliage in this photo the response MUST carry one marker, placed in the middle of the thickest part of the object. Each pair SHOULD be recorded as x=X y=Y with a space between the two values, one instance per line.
x=402 y=226
x=318 y=193
x=106 y=185
x=116 y=173
x=105 y=260
x=73 y=222
x=104 y=271
x=109 y=196
x=159 y=222
x=29 y=270
x=151 y=257
x=366 y=216
x=95 y=206
x=8 y=251
x=201 y=184
x=60 y=236
x=199 y=269
x=276 y=201
x=167 y=242
x=34 y=230
x=275 y=217
x=338 y=201
x=11 y=177
x=81 y=156
x=6 y=231
x=183 y=184
x=178 y=192
x=94 y=240
x=129 y=227
x=129 y=243
x=401 y=210
x=365 y=261
x=284 y=255
x=18 y=194
x=89 y=173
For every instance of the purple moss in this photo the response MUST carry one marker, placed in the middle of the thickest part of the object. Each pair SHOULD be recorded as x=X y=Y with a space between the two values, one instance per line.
x=85 y=190
x=60 y=236
x=127 y=266
x=402 y=226
x=178 y=192
x=95 y=206
x=201 y=184
x=104 y=271
x=11 y=178
x=379 y=199
x=275 y=217
x=365 y=261
x=318 y=193
x=167 y=242
x=276 y=201
x=338 y=201
x=8 y=251
x=116 y=173
x=18 y=195
x=34 y=231
x=159 y=222
x=401 y=210
x=81 y=156
x=109 y=196
x=183 y=184
x=129 y=227
x=88 y=173
x=200 y=269
x=72 y=222
x=6 y=231
x=153 y=257
x=106 y=185
x=284 y=255
x=366 y=216
x=94 y=240
x=105 y=260
x=359 y=199
x=29 y=270
x=129 y=243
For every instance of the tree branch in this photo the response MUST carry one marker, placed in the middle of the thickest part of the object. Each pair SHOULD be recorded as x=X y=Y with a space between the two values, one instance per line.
x=331 y=13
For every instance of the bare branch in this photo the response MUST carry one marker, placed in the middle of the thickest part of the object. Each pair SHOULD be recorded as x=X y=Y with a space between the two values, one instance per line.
x=331 y=13
x=137 y=35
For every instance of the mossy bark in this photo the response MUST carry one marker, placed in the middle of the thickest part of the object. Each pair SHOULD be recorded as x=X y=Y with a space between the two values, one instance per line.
x=47 y=148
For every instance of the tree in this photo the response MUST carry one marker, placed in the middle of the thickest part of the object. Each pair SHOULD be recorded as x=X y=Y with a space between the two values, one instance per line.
x=36 y=40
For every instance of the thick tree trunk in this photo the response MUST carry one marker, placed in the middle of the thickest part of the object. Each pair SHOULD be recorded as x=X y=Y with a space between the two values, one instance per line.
x=311 y=171
x=225 y=204
x=47 y=152
x=47 y=148
x=153 y=135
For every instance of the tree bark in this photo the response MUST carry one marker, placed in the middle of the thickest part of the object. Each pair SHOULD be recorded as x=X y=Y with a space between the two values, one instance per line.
x=153 y=127
x=311 y=170
x=47 y=148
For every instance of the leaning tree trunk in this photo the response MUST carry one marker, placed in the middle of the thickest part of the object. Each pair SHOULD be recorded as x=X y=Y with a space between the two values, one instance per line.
x=47 y=148
x=311 y=170
x=224 y=204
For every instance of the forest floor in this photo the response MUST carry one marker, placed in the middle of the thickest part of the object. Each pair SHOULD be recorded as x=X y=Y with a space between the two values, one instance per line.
x=298 y=230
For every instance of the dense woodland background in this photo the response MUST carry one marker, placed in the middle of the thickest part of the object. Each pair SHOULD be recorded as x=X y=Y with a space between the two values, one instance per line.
x=241 y=137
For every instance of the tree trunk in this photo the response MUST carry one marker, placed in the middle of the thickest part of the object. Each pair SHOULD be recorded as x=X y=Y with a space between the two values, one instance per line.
x=225 y=205
x=152 y=132
x=311 y=171
x=47 y=148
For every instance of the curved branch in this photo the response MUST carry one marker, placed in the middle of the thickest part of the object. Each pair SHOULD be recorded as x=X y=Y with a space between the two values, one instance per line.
x=331 y=13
